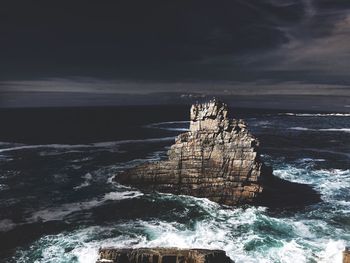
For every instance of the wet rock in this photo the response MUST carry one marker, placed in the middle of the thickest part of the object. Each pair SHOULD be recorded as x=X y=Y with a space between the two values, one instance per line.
x=162 y=255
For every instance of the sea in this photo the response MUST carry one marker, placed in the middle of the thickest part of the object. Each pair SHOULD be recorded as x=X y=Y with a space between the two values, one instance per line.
x=59 y=202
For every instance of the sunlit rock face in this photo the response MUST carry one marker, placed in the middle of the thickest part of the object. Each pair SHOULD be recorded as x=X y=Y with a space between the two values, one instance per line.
x=346 y=255
x=217 y=159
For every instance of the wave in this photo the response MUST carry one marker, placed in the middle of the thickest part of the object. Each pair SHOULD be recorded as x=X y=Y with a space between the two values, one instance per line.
x=84 y=146
x=46 y=146
x=3 y=187
x=60 y=212
x=347 y=130
x=331 y=183
x=87 y=181
x=161 y=125
x=316 y=114
x=6 y=225
x=115 y=143
x=263 y=123
x=170 y=122
x=307 y=160
x=316 y=150
x=336 y=130
x=176 y=129
x=53 y=146
x=246 y=234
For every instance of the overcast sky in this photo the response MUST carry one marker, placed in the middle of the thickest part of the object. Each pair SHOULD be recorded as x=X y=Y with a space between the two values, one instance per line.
x=243 y=47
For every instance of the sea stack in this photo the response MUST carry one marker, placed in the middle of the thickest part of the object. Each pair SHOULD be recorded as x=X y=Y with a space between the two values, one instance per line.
x=218 y=158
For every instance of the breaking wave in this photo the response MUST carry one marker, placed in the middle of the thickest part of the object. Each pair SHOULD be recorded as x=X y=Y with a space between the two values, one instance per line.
x=84 y=146
x=181 y=126
x=347 y=130
x=333 y=184
x=60 y=212
x=316 y=114
x=246 y=234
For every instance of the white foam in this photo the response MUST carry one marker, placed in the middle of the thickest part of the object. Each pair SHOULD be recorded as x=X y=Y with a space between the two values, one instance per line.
x=54 y=146
x=115 y=143
x=87 y=181
x=347 y=130
x=327 y=181
x=311 y=160
x=92 y=145
x=332 y=252
x=291 y=251
x=6 y=225
x=122 y=195
x=162 y=126
x=60 y=212
x=169 y=122
x=177 y=129
x=3 y=187
x=299 y=128
x=336 y=130
x=229 y=229
x=263 y=124
x=316 y=114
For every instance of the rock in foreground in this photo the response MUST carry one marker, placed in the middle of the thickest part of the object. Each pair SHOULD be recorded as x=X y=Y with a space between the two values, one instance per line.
x=162 y=255
x=218 y=158
x=346 y=255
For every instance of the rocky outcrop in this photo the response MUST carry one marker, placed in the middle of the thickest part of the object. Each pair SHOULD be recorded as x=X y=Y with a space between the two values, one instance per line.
x=162 y=255
x=218 y=158
x=346 y=255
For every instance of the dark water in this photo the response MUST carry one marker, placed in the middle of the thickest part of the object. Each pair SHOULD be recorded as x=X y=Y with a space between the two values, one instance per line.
x=58 y=202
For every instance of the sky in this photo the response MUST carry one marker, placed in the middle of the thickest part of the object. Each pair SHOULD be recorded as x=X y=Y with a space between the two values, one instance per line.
x=50 y=50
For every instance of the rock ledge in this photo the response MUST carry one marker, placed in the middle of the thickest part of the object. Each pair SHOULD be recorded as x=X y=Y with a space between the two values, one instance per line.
x=161 y=255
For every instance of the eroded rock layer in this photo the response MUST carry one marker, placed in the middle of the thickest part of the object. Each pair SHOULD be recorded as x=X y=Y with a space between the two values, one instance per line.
x=217 y=159
x=162 y=255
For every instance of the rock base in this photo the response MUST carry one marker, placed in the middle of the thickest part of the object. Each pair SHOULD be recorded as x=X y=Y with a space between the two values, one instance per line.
x=162 y=255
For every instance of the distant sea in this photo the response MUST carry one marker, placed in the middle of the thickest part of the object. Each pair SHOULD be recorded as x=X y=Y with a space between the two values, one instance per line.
x=59 y=203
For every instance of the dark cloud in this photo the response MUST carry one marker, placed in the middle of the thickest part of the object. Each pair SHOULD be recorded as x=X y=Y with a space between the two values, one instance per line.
x=85 y=37
x=157 y=44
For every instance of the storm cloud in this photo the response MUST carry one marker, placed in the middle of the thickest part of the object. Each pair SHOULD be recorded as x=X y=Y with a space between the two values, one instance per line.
x=228 y=46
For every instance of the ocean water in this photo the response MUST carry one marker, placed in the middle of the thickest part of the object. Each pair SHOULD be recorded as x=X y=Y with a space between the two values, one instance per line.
x=59 y=203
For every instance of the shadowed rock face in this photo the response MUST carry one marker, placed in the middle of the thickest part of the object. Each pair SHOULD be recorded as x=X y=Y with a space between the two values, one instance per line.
x=218 y=159
x=162 y=255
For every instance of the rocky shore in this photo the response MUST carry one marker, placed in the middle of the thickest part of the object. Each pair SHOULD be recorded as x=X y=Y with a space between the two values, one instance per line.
x=218 y=158
x=162 y=255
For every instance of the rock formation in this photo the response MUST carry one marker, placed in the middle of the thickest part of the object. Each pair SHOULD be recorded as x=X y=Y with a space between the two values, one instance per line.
x=218 y=158
x=162 y=255
x=346 y=255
